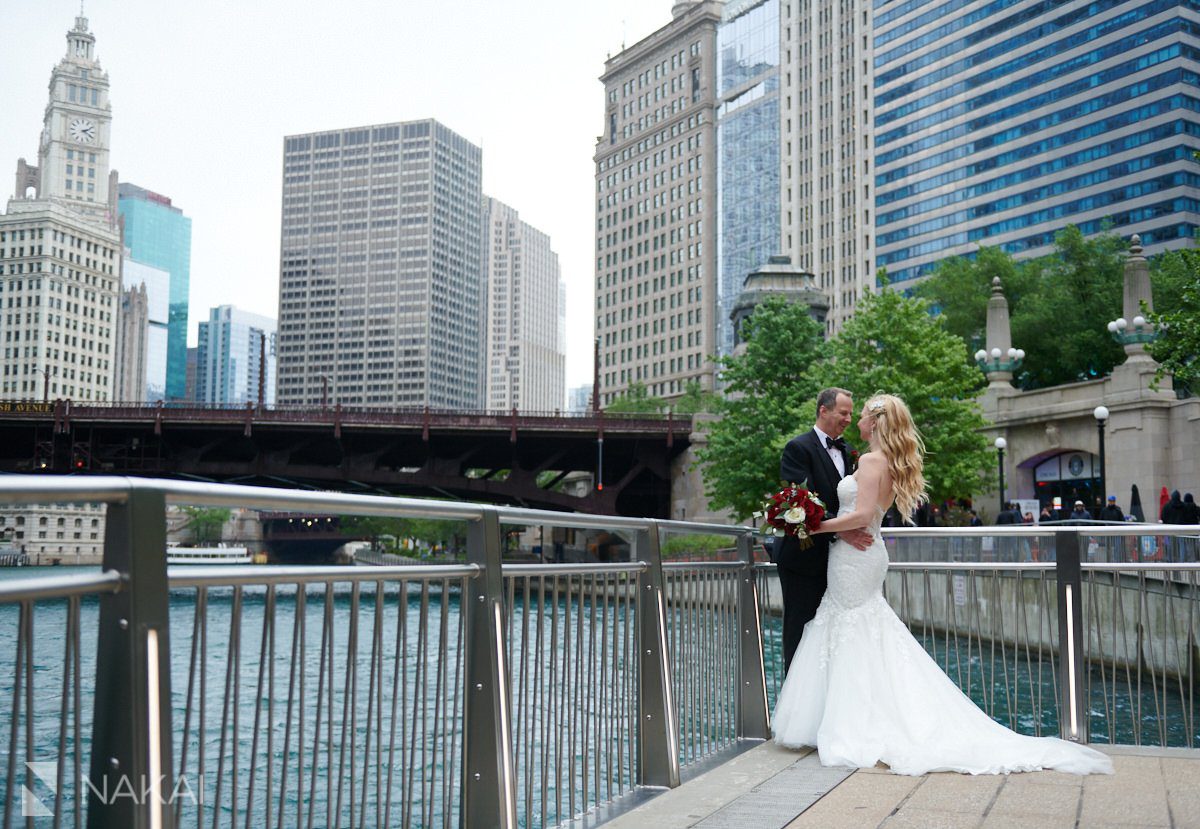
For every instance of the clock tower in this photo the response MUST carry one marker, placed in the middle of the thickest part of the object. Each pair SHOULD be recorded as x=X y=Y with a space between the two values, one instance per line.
x=73 y=161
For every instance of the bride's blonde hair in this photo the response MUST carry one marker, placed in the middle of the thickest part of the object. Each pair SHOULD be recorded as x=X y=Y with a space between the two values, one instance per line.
x=901 y=444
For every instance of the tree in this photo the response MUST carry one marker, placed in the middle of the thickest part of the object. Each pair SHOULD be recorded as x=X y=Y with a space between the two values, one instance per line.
x=1058 y=304
x=206 y=524
x=960 y=288
x=1176 y=277
x=1061 y=322
x=765 y=387
x=636 y=400
x=694 y=399
x=893 y=344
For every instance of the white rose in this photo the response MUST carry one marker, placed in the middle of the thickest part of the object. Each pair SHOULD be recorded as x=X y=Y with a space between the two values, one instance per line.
x=794 y=516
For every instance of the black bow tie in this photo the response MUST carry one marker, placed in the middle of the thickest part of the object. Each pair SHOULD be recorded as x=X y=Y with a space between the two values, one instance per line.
x=835 y=443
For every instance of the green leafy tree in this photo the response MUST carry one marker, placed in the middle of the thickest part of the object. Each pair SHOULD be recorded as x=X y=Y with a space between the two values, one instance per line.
x=893 y=344
x=1176 y=277
x=1058 y=305
x=1061 y=322
x=960 y=288
x=206 y=524
x=695 y=399
x=765 y=387
x=636 y=400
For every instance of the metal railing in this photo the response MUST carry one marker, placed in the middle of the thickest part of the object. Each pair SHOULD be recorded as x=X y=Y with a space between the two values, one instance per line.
x=493 y=694
x=475 y=694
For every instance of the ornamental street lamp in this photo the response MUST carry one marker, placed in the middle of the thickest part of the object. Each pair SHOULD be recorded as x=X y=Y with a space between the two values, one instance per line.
x=1101 y=415
x=1139 y=331
x=997 y=360
x=1001 y=444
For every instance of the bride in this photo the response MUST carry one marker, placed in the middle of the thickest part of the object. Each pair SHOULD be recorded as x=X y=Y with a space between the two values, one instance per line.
x=860 y=688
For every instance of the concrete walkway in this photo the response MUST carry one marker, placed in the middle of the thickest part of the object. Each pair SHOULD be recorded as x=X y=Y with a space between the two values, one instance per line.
x=772 y=788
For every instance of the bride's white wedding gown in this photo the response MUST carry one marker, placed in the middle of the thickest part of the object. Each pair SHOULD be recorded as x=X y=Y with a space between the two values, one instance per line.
x=862 y=690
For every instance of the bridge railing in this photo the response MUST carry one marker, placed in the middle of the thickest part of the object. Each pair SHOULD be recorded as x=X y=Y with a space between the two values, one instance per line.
x=473 y=694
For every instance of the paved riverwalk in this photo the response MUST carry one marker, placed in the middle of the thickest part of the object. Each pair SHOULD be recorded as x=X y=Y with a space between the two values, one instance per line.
x=771 y=788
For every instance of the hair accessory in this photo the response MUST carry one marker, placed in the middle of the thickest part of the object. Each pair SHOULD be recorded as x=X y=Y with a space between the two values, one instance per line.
x=875 y=405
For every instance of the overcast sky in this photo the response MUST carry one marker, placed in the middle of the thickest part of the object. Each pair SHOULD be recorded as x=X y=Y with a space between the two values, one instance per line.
x=203 y=93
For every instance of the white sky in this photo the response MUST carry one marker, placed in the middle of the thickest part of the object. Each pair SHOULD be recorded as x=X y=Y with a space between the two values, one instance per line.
x=203 y=93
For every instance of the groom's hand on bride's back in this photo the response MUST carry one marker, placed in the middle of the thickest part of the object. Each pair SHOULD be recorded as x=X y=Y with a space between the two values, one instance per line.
x=859 y=539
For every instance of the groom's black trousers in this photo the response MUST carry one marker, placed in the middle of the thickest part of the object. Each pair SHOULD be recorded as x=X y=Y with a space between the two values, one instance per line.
x=802 y=592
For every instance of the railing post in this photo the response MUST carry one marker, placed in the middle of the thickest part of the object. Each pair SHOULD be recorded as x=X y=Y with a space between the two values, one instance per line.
x=658 y=731
x=752 y=718
x=1073 y=721
x=489 y=780
x=131 y=779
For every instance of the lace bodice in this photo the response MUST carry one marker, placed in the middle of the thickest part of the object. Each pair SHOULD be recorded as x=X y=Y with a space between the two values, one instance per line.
x=847 y=490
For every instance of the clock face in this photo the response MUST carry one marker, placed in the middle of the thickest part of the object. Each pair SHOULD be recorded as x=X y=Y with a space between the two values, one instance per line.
x=83 y=130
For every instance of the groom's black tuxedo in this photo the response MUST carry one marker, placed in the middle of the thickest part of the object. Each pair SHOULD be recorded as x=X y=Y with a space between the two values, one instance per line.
x=802 y=572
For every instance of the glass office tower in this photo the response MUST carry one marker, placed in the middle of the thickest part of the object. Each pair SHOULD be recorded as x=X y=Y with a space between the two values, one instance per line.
x=747 y=149
x=158 y=234
x=999 y=123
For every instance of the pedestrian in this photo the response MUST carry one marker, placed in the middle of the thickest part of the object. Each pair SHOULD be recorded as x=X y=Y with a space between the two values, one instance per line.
x=1045 y=515
x=1008 y=515
x=975 y=520
x=1175 y=512
x=1080 y=513
x=1111 y=511
x=1191 y=509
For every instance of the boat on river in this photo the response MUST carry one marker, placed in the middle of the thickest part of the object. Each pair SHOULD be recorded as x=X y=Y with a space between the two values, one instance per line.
x=220 y=554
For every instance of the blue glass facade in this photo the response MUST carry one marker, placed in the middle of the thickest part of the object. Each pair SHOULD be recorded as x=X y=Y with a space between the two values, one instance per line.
x=158 y=234
x=999 y=123
x=747 y=150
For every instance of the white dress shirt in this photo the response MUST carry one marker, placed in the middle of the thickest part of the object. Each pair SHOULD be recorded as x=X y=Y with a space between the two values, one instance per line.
x=835 y=454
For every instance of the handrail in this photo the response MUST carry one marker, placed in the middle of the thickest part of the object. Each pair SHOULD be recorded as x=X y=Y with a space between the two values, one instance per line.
x=719 y=601
x=59 y=587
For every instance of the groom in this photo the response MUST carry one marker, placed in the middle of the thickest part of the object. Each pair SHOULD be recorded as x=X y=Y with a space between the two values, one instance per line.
x=821 y=458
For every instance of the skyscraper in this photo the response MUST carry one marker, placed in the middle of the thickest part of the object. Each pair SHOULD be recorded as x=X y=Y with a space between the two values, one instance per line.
x=525 y=353
x=656 y=215
x=1000 y=123
x=157 y=233
x=826 y=160
x=747 y=149
x=235 y=357
x=381 y=270
x=59 y=247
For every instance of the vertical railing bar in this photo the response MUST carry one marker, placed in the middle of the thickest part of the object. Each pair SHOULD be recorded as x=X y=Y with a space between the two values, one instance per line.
x=441 y=695
x=420 y=721
x=291 y=697
x=298 y=666
x=236 y=645
x=459 y=679
x=225 y=715
x=15 y=730
x=349 y=706
x=77 y=720
x=489 y=784
x=64 y=710
x=658 y=741
x=542 y=695
x=325 y=654
x=397 y=690
x=373 y=723
x=263 y=657
x=753 y=714
x=193 y=658
x=554 y=695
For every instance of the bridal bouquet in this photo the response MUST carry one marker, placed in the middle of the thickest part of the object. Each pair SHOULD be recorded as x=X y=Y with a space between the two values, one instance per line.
x=793 y=511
